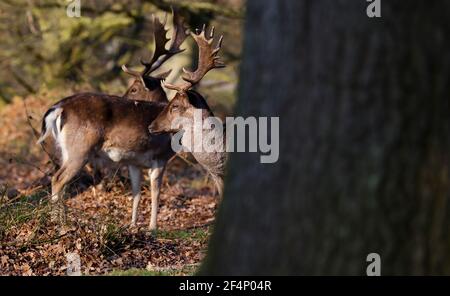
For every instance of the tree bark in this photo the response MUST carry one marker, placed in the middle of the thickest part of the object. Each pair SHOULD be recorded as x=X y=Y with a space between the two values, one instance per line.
x=364 y=142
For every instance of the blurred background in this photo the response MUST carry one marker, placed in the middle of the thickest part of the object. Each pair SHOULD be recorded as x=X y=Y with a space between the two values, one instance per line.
x=43 y=48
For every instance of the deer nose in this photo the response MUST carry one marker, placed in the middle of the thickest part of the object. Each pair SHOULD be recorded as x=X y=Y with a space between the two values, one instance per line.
x=152 y=128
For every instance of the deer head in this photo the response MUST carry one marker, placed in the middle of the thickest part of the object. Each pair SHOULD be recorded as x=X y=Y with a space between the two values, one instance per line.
x=186 y=101
x=146 y=86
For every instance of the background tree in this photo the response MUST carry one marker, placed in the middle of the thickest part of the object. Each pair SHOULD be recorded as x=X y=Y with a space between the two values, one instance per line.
x=364 y=142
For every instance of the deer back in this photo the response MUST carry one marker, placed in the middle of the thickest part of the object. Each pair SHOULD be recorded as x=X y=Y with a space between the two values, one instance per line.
x=107 y=122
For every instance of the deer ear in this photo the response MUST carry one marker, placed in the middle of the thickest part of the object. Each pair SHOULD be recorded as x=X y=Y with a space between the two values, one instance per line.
x=162 y=76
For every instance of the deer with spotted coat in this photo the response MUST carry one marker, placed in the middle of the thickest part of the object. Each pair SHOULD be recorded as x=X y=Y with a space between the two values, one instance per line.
x=87 y=127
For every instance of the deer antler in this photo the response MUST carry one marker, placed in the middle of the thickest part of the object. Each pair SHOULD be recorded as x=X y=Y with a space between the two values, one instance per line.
x=136 y=74
x=159 y=32
x=207 y=59
x=178 y=37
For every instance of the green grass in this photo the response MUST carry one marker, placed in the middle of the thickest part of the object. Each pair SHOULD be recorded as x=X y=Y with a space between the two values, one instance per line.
x=113 y=238
x=22 y=210
x=185 y=270
x=199 y=234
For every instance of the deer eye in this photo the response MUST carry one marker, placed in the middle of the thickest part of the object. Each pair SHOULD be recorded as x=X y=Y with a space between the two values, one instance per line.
x=175 y=108
x=133 y=90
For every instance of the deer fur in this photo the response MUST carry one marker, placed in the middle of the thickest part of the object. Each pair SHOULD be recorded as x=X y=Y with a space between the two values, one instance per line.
x=103 y=128
x=183 y=105
x=186 y=101
x=96 y=126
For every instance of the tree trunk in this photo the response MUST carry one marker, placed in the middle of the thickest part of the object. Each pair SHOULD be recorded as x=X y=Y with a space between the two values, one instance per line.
x=364 y=142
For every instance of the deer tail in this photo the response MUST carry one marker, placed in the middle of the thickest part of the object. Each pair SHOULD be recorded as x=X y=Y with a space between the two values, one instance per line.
x=50 y=123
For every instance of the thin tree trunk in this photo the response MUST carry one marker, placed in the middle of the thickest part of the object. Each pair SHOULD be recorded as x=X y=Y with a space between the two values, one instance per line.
x=364 y=142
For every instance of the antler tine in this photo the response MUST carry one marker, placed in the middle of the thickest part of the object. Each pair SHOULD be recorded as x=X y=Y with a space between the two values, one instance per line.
x=173 y=86
x=161 y=54
x=179 y=33
x=136 y=74
x=207 y=59
x=165 y=18
x=131 y=72
x=159 y=33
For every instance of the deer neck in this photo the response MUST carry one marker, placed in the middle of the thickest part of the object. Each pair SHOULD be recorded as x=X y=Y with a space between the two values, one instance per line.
x=207 y=144
x=161 y=96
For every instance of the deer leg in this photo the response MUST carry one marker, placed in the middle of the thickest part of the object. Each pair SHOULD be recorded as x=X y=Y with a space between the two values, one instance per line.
x=156 y=174
x=74 y=157
x=59 y=181
x=218 y=182
x=97 y=174
x=135 y=176
x=57 y=204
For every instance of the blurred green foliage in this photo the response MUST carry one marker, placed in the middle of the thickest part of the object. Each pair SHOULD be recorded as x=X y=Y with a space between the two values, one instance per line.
x=41 y=47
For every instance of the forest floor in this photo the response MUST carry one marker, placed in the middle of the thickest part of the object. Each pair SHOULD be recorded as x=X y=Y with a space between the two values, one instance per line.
x=98 y=215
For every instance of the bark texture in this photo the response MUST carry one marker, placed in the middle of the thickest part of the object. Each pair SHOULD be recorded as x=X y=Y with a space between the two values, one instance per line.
x=364 y=142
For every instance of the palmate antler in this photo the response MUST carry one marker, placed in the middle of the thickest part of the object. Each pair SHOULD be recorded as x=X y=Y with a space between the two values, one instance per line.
x=161 y=54
x=207 y=60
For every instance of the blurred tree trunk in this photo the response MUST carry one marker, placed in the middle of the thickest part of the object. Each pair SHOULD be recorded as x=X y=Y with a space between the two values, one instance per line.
x=364 y=142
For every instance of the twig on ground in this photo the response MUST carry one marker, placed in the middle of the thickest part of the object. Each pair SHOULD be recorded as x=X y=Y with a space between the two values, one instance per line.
x=36 y=133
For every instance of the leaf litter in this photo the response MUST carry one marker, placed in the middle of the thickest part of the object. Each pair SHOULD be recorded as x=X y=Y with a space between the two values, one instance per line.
x=98 y=215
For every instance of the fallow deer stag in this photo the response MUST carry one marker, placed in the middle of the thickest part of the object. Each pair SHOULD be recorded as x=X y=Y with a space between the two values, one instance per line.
x=146 y=86
x=90 y=126
x=187 y=101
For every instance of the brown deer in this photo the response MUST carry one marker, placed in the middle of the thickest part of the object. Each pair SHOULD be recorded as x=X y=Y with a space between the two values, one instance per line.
x=92 y=126
x=147 y=86
x=186 y=102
